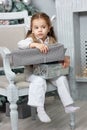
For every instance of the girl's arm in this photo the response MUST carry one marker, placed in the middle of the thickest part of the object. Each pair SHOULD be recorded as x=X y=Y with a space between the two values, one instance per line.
x=66 y=62
x=28 y=43
x=23 y=44
x=42 y=47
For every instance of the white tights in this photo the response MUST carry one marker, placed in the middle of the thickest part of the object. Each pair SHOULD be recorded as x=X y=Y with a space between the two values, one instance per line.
x=38 y=86
x=37 y=90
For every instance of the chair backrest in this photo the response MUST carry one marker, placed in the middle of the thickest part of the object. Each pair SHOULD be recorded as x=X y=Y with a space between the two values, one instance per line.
x=11 y=34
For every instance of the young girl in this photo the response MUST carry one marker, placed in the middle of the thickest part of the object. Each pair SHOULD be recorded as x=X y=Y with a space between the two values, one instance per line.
x=40 y=36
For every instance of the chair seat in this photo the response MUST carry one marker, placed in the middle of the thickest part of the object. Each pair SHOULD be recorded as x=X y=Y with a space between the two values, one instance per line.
x=19 y=81
x=3 y=82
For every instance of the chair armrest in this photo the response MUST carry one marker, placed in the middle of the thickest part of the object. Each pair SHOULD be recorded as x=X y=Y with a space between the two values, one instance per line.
x=10 y=75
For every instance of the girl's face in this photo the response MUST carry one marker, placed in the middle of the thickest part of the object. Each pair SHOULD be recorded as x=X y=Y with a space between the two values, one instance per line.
x=40 y=28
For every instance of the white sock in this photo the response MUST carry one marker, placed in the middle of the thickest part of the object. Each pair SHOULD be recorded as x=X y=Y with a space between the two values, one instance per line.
x=71 y=109
x=42 y=115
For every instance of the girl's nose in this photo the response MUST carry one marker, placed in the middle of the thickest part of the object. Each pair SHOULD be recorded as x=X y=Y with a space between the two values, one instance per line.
x=40 y=29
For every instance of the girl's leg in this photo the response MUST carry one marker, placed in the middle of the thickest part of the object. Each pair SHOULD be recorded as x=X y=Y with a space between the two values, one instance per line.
x=63 y=91
x=37 y=90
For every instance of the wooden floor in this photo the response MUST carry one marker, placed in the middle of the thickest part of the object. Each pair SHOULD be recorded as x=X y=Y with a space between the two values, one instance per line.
x=60 y=120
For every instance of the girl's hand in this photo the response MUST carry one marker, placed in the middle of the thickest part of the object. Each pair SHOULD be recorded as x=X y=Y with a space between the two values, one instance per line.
x=42 y=47
x=66 y=62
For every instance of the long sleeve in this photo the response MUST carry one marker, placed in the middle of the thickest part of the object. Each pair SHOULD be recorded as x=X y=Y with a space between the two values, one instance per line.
x=23 y=44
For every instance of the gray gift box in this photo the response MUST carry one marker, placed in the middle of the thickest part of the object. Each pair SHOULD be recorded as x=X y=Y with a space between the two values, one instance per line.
x=52 y=70
x=34 y=56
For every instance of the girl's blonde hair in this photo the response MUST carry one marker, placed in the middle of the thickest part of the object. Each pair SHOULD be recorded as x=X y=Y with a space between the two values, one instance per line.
x=48 y=21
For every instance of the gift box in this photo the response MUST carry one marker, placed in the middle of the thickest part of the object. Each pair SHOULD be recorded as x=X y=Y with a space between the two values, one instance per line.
x=50 y=70
x=24 y=110
x=34 y=56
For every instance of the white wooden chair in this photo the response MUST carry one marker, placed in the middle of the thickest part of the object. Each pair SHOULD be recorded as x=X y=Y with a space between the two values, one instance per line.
x=9 y=36
x=14 y=85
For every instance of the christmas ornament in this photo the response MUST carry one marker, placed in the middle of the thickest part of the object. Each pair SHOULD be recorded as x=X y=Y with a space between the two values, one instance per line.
x=6 y=4
x=26 y=2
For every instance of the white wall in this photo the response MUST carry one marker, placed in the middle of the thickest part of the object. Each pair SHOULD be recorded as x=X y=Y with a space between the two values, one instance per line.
x=47 y=6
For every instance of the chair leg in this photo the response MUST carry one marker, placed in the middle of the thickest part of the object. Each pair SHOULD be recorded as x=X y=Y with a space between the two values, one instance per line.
x=33 y=113
x=12 y=96
x=14 y=116
x=72 y=121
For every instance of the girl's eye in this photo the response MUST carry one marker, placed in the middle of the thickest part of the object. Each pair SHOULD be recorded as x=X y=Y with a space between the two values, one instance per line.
x=43 y=26
x=36 y=27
